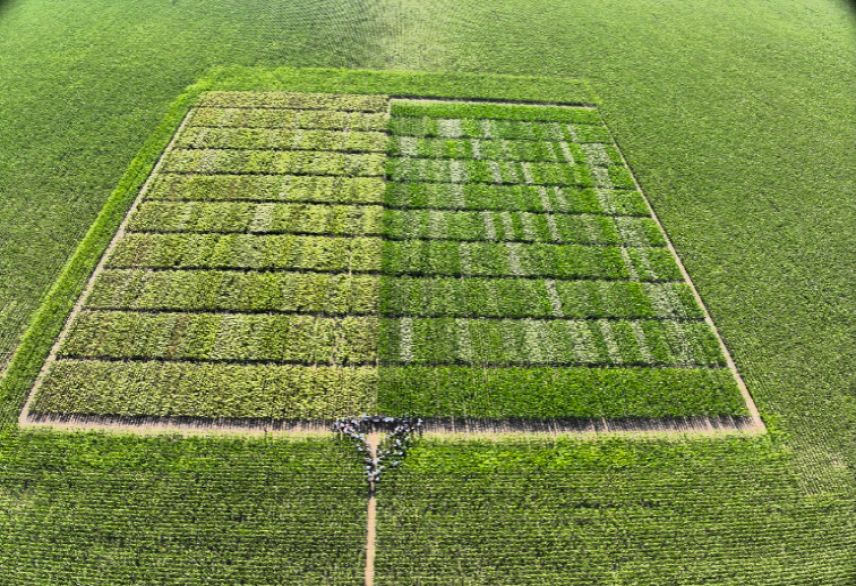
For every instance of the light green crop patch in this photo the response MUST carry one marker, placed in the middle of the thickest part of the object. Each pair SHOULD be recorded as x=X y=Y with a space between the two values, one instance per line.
x=305 y=256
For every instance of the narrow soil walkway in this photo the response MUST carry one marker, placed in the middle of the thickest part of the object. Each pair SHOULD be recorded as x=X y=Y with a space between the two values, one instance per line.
x=374 y=440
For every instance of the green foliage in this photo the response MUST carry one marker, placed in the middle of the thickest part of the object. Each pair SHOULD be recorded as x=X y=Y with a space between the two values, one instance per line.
x=481 y=111
x=480 y=297
x=205 y=389
x=548 y=342
x=265 y=138
x=180 y=511
x=612 y=511
x=557 y=393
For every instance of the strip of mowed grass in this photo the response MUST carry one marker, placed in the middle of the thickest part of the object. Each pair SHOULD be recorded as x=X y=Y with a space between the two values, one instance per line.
x=614 y=511
x=122 y=509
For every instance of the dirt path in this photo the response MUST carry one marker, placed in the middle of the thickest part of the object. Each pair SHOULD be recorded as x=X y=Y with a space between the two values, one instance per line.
x=371 y=532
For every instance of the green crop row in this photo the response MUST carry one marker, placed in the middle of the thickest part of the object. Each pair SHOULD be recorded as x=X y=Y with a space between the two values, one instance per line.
x=185 y=389
x=556 y=393
x=499 y=129
x=496 y=172
x=296 y=100
x=322 y=293
x=432 y=257
x=510 y=342
x=288 y=188
x=268 y=218
x=284 y=139
x=212 y=161
x=504 y=150
x=477 y=297
x=244 y=251
x=493 y=111
x=482 y=196
x=522 y=226
x=300 y=339
x=271 y=118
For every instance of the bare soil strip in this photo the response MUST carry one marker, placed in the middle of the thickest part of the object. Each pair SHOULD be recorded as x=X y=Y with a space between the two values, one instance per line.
x=433 y=426
x=757 y=422
x=371 y=532
x=120 y=233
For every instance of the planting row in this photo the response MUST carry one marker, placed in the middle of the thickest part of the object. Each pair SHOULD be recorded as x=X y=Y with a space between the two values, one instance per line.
x=282 y=118
x=556 y=393
x=507 y=342
x=242 y=251
x=503 y=172
x=504 y=150
x=297 y=100
x=478 y=297
x=489 y=259
x=196 y=137
x=482 y=196
x=371 y=190
x=213 y=161
x=271 y=218
x=499 y=129
x=299 y=339
x=338 y=294
x=191 y=389
x=492 y=111
x=521 y=226
x=394 y=224
x=319 y=293
x=287 y=188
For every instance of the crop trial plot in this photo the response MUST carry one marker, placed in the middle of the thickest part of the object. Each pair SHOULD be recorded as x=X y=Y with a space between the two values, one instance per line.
x=310 y=256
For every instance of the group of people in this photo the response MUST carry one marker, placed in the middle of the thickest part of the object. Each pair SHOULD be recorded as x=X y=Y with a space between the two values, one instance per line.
x=392 y=447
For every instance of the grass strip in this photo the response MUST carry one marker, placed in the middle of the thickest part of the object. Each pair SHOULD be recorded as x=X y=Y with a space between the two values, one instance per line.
x=243 y=251
x=288 y=188
x=213 y=161
x=488 y=150
x=492 y=111
x=512 y=342
x=281 y=139
x=260 y=218
x=298 y=339
x=182 y=389
x=483 y=196
x=518 y=298
x=322 y=293
x=296 y=100
x=554 y=393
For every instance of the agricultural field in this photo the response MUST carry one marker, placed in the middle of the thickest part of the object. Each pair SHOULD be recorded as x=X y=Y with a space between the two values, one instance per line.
x=306 y=256
x=224 y=224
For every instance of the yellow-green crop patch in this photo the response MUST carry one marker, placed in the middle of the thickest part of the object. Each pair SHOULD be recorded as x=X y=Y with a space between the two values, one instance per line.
x=304 y=256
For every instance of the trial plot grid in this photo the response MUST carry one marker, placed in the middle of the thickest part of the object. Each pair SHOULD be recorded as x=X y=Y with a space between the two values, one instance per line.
x=309 y=256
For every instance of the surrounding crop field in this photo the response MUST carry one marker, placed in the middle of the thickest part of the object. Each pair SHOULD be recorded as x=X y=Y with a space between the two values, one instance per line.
x=99 y=509
x=282 y=304
x=617 y=511
x=737 y=119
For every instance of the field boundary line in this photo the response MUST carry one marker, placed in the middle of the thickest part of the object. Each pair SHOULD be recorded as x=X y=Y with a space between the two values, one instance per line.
x=99 y=268
x=757 y=422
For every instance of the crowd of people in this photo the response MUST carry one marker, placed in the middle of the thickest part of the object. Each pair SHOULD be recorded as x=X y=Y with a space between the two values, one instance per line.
x=392 y=448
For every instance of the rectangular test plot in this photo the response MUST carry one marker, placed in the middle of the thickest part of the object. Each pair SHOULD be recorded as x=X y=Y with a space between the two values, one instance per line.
x=527 y=278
